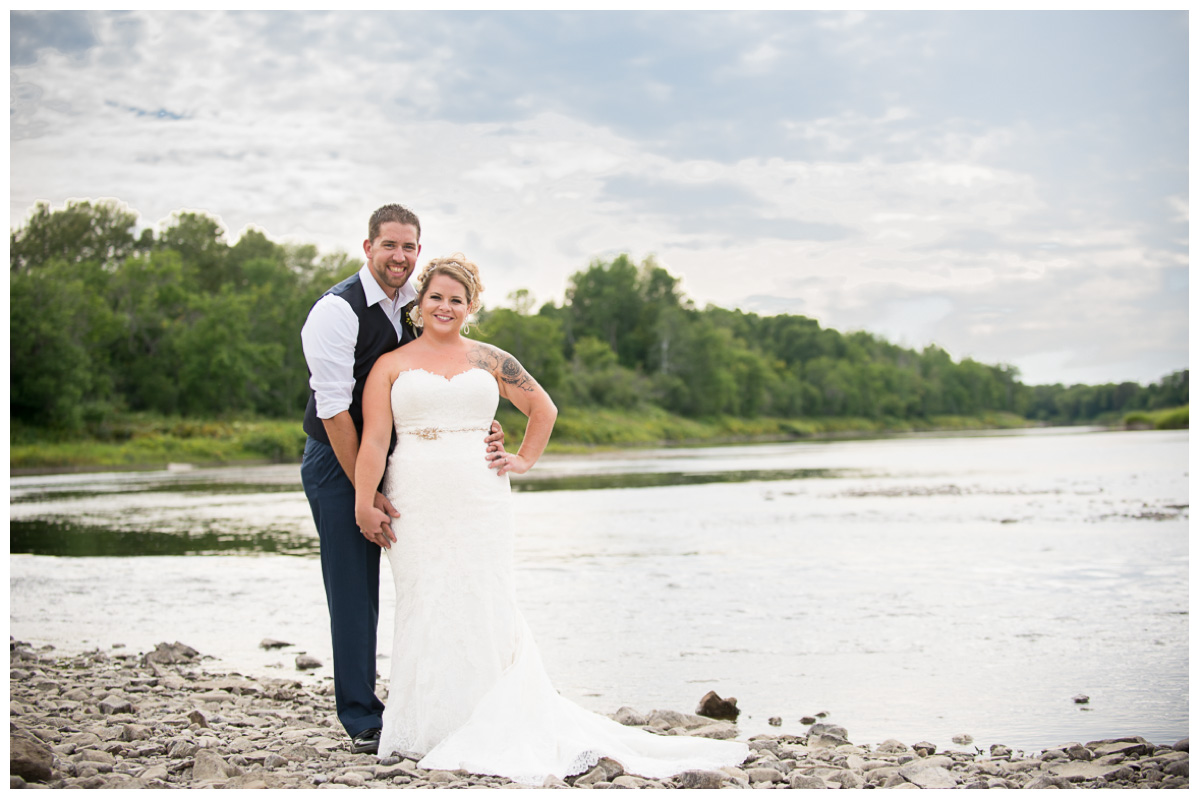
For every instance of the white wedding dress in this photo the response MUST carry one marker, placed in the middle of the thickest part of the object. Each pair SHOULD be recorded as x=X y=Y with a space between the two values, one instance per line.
x=468 y=689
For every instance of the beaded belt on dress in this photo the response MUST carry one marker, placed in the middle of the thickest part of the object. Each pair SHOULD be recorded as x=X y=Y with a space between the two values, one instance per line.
x=433 y=433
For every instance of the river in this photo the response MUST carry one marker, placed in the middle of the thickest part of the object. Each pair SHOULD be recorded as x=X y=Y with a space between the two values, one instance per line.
x=916 y=587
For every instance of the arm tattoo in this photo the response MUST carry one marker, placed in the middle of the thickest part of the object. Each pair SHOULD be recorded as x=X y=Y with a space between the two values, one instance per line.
x=502 y=365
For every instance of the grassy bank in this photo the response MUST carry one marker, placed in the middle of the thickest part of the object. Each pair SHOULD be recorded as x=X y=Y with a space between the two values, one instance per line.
x=150 y=441
x=141 y=440
x=1162 y=420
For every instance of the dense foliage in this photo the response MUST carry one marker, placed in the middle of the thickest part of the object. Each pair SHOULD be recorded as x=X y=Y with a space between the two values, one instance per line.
x=105 y=320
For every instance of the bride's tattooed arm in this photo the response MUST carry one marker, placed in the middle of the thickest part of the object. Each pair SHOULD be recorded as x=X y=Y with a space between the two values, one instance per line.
x=502 y=365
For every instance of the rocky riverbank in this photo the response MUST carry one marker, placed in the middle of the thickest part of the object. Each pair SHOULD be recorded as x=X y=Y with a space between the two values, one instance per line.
x=160 y=720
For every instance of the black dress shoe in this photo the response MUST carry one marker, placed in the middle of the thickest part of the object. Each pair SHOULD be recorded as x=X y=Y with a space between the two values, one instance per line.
x=366 y=742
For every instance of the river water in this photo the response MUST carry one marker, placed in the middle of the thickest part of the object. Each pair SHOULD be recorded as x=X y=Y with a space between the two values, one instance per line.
x=915 y=587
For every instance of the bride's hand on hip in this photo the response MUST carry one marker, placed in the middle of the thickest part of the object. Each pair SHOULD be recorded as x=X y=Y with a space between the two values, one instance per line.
x=510 y=462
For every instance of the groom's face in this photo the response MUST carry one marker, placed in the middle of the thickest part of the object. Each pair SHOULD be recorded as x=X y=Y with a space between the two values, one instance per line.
x=393 y=255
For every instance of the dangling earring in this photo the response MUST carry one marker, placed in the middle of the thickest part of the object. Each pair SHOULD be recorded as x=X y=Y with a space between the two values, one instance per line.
x=466 y=328
x=415 y=319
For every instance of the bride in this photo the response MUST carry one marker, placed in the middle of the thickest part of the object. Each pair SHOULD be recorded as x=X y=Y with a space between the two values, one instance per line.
x=468 y=689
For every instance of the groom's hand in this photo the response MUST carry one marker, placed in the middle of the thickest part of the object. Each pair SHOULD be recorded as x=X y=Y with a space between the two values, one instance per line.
x=495 y=446
x=385 y=527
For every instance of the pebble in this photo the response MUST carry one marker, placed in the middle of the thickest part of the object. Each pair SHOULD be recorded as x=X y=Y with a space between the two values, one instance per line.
x=158 y=721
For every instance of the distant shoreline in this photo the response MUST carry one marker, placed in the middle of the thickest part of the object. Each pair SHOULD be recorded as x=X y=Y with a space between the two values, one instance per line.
x=154 y=444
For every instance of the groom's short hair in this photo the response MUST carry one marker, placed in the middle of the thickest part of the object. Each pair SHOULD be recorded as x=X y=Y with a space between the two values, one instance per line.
x=392 y=212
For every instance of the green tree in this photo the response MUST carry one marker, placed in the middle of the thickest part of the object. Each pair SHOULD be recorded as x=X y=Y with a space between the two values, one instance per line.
x=100 y=233
x=58 y=373
x=199 y=241
x=603 y=302
x=534 y=340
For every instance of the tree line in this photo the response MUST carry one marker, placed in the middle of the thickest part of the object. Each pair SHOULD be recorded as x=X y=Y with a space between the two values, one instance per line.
x=106 y=320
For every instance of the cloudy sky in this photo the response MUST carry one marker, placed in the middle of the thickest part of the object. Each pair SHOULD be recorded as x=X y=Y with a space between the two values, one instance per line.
x=1010 y=186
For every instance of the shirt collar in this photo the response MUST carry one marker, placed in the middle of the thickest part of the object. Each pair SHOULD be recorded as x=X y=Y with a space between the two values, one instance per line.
x=375 y=294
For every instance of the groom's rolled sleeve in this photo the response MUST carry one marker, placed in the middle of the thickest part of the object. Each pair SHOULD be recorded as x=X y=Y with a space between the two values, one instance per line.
x=328 y=338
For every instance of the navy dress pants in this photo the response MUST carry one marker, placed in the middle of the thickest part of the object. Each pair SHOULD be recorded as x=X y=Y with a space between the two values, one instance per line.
x=350 y=567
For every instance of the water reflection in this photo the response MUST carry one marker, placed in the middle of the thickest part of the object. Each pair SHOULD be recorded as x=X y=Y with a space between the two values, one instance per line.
x=638 y=480
x=59 y=538
x=243 y=511
x=191 y=487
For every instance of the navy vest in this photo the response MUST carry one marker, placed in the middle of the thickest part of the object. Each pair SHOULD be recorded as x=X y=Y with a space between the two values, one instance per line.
x=376 y=336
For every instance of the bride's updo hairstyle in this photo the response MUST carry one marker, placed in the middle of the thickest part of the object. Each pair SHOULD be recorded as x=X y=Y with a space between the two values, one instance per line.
x=458 y=268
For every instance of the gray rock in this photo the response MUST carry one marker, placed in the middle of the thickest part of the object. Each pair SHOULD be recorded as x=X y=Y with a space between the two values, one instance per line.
x=826 y=741
x=164 y=653
x=764 y=774
x=798 y=781
x=1118 y=747
x=209 y=766
x=30 y=760
x=962 y=738
x=95 y=757
x=847 y=779
x=134 y=733
x=716 y=730
x=924 y=748
x=158 y=772
x=115 y=705
x=83 y=739
x=1077 y=752
x=892 y=746
x=775 y=721
x=879 y=775
x=1081 y=699
x=713 y=705
x=119 y=780
x=825 y=728
x=16 y=782
x=667 y=719
x=1179 y=768
x=627 y=716
x=591 y=777
x=1181 y=745
x=182 y=748
x=630 y=782
x=700 y=779
x=300 y=752
x=307 y=662
x=1082 y=770
x=928 y=776
x=273 y=644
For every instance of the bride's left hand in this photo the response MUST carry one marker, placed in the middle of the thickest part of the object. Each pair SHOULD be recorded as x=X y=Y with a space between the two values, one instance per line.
x=511 y=462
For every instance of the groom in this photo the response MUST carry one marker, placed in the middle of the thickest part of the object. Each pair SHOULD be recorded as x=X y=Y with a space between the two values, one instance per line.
x=351 y=326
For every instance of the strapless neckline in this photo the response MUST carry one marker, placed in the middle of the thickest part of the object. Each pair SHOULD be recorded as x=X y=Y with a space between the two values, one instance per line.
x=447 y=378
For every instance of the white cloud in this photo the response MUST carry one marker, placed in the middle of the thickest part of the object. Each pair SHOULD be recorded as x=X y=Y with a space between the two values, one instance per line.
x=884 y=215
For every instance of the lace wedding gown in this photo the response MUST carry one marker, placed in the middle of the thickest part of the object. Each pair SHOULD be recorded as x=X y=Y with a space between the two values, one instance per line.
x=468 y=688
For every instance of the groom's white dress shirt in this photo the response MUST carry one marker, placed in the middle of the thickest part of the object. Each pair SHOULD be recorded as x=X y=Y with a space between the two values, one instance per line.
x=329 y=337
